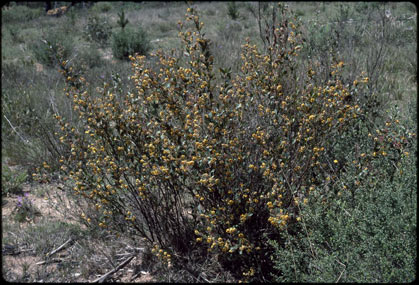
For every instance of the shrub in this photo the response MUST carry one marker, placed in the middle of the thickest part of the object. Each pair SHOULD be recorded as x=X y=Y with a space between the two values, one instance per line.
x=11 y=182
x=46 y=49
x=202 y=164
x=98 y=30
x=91 y=57
x=122 y=21
x=129 y=41
x=27 y=103
x=363 y=229
x=232 y=10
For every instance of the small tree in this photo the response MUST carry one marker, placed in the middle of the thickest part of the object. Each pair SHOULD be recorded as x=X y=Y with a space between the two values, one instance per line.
x=122 y=21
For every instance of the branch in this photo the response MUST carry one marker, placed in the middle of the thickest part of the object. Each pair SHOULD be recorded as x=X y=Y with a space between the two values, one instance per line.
x=54 y=260
x=123 y=264
x=60 y=247
x=13 y=128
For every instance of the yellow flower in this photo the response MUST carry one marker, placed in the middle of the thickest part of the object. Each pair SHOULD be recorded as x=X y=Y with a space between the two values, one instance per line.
x=231 y=230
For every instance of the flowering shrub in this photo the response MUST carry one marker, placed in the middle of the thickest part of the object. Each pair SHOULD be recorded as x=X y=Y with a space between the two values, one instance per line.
x=198 y=161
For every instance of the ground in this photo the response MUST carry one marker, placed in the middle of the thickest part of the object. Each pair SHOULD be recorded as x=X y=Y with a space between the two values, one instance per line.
x=25 y=262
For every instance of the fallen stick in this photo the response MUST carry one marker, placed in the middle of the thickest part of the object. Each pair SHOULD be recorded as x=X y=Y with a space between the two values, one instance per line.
x=59 y=248
x=135 y=276
x=54 y=260
x=123 y=264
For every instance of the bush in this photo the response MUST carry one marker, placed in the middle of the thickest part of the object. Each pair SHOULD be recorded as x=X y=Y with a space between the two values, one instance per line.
x=232 y=10
x=11 y=182
x=364 y=228
x=89 y=57
x=204 y=165
x=98 y=30
x=128 y=42
x=46 y=49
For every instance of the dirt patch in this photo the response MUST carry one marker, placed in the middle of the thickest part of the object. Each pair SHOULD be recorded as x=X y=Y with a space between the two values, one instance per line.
x=19 y=266
x=23 y=264
x=51 y=204
x=39 y=67
x=106 y=54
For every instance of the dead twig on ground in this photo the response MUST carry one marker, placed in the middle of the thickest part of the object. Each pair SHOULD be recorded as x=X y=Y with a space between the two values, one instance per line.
x=104 y=277
x=53 y=260
x=59 y=248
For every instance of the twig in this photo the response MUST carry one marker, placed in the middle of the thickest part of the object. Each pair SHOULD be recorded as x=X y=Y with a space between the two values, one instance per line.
x=49 y=261
x=60 y=247
x=340 y=276
x=13 y=128
x=337 y=280
x=103 y=278
x=137 y=275
x=12 y=234
x=203 y=278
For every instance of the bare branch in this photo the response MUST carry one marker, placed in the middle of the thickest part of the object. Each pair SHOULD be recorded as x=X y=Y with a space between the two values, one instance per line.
x=13 y=128
x=104 y=277
x=60 y=247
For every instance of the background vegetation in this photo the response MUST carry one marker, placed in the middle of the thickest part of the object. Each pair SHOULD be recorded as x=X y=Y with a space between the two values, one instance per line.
x=358 y=225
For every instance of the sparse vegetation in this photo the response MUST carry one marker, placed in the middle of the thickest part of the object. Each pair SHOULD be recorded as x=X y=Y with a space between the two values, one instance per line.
x=11 y=181
x=266 y=143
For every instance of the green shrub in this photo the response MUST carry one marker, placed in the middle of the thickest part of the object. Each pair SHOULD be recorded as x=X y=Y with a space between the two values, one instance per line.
x=46 y=49
x=11 y=182
x=128 y=42
x=364 y=228
x=15 y=35
x=122 y=21
x=28 y=100
x=90 y=57
x=98 y=30
x=232 y=10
